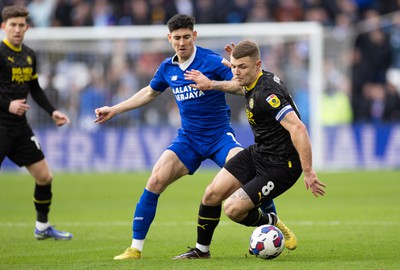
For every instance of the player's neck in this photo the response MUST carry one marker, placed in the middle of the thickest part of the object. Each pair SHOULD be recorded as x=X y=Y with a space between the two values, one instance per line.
x=13 y=47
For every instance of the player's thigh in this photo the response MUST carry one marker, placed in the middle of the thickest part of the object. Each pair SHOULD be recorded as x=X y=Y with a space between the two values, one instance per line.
x=26 y=149
x=187 y=151
x=270 y=182
x=40 y=171
x=233 y=152
x=242 y=166
x=167 y=169
x=222 y=186
x=224 y=149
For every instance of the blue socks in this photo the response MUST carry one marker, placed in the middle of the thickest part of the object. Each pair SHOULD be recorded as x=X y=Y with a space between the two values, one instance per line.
x=146 y=211
x=268 y=206
x=144 y=214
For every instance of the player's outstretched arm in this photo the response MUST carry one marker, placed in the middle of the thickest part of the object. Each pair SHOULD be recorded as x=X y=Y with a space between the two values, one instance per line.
x=141 y=98
x=301 y=141
x=201 y=82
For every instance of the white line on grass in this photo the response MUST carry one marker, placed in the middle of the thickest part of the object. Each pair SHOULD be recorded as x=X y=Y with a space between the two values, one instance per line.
x=190 y=223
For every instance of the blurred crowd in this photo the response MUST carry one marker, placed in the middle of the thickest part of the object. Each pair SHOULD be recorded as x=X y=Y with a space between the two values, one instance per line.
x=45 y=13
x=361 y=85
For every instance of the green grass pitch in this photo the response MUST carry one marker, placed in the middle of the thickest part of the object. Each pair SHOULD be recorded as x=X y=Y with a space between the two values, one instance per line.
x=355 y=226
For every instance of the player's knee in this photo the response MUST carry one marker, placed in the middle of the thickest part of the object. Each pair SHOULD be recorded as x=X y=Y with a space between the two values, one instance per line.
x=156 y=185
x=212 y=197
x=40 y=172
x=44 y=179
x=232 y=210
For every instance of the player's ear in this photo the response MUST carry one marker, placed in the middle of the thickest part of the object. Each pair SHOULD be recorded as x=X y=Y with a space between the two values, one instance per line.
x=258 y=64
x=194 y=35
x=169 y=37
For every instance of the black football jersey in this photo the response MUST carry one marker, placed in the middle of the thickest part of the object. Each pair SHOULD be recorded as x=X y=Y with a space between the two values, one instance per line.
x=266 y=105
x=17 y=69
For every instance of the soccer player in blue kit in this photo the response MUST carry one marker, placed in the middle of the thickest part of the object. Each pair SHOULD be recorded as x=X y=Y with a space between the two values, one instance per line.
x=205 y=131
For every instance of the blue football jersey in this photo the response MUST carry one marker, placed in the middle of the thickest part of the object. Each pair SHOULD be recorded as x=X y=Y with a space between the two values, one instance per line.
x=203 y=113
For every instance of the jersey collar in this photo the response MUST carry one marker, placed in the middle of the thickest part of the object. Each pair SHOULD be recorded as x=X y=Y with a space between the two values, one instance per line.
x=187 y=63
x=12 y=47
x=249 y=88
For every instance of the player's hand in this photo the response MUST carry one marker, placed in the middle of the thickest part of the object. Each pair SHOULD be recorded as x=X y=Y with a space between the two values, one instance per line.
x=60 y=119
x=18 y=107
x=103 y=114
x=201 y=81
x=312 y=182
x=229 y=48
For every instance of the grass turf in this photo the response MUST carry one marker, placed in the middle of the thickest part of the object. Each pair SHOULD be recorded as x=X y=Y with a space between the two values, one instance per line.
x=355 y=226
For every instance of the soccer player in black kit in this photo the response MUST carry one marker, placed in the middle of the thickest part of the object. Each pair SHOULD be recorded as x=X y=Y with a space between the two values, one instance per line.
x=269 y=167
x=18 y=78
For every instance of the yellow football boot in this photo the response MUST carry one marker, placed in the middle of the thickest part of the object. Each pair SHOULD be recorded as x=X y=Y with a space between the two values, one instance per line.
x=290 y=238
x=130 y=253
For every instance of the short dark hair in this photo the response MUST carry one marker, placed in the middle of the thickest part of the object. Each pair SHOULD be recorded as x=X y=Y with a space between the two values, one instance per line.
x=14 y=12
x=246 y=48
x=181 y=21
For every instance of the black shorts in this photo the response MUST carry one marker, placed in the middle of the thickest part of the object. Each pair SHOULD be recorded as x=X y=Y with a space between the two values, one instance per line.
x=262 y=181
x=20 y=145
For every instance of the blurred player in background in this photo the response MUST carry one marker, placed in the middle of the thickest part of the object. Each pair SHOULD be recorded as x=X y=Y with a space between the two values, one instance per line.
x=18 y=78
x=266 y=169
x=205 y=131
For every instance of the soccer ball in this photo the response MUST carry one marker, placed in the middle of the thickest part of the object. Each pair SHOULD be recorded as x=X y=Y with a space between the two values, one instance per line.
x=266 y=242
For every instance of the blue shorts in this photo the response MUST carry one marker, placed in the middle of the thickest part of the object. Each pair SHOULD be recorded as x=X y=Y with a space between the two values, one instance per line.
x=192 y=152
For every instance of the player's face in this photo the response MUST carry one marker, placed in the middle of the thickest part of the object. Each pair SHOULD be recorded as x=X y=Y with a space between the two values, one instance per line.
x=182 y=41
x=15 y=29
x=245 y=70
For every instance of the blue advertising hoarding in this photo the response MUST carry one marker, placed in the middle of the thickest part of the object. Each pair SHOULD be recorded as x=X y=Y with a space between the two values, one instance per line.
x=134 y=149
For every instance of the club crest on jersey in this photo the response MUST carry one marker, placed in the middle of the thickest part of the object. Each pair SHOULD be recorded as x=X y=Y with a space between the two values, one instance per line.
x=29 y=60
x=251 y=103
x=273 y=101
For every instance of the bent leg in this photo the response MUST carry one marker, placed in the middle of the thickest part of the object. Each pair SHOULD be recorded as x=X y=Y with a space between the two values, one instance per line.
x=267 y=206
x=221 y=187
x=167 y=169
x=241 y=209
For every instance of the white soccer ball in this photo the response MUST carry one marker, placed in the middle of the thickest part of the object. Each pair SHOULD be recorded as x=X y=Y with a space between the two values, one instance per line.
x=267 y=242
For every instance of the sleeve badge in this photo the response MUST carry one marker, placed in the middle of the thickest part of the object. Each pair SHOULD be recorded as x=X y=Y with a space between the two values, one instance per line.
x=276 y=79
x=274 y=101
